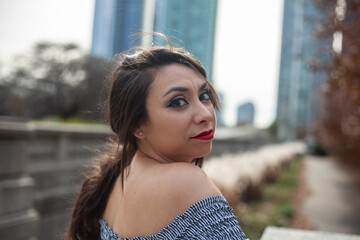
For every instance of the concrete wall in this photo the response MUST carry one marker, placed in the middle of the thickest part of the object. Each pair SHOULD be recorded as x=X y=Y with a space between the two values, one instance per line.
x=57 y=160
x=18 y=218
x=41 y=173
x=275 y=233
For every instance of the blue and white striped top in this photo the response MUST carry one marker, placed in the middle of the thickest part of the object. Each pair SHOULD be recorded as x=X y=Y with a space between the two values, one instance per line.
x=211 y=218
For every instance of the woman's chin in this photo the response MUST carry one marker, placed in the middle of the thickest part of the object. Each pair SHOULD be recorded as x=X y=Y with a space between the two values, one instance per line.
x=204 y=151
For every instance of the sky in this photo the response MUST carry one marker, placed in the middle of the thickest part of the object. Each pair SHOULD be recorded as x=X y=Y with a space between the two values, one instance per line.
x=248 y=56
x=247 y=47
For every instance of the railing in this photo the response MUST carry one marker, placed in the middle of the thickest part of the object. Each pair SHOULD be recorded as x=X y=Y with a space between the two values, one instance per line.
x=42 y=167
x=40 y=175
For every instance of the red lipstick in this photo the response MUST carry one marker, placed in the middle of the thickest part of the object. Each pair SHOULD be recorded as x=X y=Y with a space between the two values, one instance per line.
x=206 y=135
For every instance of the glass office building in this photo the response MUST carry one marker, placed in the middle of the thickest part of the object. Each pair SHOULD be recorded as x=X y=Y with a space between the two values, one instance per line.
x=116 y=25
x=189 y=24
x=297 y=103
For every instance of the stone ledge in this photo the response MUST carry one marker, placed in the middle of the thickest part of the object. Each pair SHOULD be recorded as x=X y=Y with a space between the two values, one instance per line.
x=276 y=233
x=22 y=182
x=15 y=195
x=49 y=128
x=20 y=129
x=22 y=225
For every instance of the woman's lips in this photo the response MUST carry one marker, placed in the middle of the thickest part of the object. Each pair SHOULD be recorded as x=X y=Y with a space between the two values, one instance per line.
x=206 y=135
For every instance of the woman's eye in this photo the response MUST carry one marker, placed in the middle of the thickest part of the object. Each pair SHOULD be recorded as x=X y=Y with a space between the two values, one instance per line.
x=178 y=103
x=205 y=96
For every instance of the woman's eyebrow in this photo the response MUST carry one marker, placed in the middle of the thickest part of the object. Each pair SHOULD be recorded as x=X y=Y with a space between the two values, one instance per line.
x=176 y=89
x=203 y=86
x=183 y=89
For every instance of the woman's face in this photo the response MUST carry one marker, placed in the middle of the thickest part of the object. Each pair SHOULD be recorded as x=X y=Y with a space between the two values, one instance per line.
x=181 y=118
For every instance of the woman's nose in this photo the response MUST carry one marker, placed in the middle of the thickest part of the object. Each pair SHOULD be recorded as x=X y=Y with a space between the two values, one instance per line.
x=202 y=113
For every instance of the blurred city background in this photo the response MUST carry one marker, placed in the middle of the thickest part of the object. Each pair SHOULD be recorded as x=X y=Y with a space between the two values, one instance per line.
x=286 y=151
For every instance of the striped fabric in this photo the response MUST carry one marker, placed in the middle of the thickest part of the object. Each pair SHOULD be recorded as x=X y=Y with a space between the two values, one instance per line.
x=211 y=218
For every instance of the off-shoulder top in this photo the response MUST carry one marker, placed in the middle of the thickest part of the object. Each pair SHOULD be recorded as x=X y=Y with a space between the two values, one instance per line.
x=211 y=218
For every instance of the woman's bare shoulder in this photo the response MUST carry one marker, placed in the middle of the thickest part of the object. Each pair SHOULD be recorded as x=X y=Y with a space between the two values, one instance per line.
x=162 y=193
x=183 y=184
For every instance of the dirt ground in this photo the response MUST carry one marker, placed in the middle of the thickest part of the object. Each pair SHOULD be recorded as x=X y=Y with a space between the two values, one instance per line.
x=333 y=205
x=300 y=220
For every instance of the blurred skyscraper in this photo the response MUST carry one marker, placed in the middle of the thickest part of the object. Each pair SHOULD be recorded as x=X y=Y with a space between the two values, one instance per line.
x=298 y=85
x=220 y=115
x=115 y=23
x=189 y=24
x=245 y=114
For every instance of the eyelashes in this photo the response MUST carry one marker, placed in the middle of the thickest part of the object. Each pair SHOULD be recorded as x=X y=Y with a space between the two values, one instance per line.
x=180 y=101
x=205 y=96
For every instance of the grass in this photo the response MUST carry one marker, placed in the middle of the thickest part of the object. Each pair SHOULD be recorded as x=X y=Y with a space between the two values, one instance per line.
x=69 y=121
x=274 y=208
x=81 y=121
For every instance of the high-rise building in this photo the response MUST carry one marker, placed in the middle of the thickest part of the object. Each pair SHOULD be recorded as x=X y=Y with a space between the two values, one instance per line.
x=116 y=25
x=245 y=114
x=189 y=24
x=297 y=104
x=220 y=121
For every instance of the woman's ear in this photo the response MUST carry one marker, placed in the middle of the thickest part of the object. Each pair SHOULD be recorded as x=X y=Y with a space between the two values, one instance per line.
x=139 y=133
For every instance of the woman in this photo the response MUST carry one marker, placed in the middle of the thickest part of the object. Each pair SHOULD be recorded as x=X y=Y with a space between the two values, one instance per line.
x=162 y=110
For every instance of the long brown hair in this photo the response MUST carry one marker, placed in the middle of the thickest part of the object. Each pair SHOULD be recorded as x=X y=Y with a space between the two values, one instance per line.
x=131 y=78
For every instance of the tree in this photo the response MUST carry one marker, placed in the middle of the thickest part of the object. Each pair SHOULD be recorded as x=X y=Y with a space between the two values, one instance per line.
x=93 y=90
x=338 y=125
x=53 y=79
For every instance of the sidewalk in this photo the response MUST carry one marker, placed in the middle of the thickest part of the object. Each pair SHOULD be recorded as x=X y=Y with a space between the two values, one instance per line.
x=333 y=204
